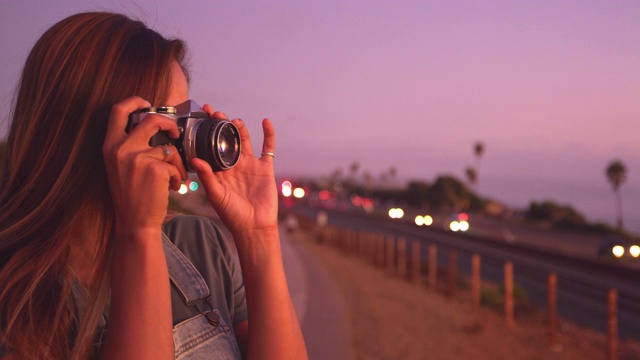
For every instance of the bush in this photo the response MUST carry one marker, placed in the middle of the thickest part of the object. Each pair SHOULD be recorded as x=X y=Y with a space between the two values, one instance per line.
x=559 y=216
x=494 y=297
x=519 y=293
x=491 y=297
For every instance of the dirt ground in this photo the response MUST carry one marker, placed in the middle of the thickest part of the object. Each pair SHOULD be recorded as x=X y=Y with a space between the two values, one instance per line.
x=394 y=318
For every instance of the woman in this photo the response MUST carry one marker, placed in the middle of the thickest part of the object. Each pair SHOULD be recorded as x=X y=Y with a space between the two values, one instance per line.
x=85 y=267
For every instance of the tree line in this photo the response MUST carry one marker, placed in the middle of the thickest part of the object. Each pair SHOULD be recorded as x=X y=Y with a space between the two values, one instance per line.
x=447 y=193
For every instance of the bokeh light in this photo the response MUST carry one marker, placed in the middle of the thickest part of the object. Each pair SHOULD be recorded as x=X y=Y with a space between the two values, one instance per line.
x=396 y=213
x=618 y=251
x=298 y=193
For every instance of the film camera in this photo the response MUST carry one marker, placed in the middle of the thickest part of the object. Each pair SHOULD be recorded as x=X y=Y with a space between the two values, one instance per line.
x=216 y=141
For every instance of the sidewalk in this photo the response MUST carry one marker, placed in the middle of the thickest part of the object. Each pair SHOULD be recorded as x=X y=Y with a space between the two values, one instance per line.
x=320 y=307
x=317 y=301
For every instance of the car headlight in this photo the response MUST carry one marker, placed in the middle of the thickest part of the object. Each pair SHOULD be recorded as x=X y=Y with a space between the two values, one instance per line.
x=618 y=251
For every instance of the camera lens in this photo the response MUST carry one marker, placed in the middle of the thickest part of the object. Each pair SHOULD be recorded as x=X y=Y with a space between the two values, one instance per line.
x=228 y=143
x=218 y=142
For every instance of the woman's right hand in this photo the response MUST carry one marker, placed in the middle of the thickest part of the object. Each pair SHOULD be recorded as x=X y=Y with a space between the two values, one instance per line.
x=140 y=324
x=139 y=175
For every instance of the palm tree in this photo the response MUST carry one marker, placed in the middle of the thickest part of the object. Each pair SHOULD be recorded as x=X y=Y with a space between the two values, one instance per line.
x=368 y=179
x=617 y=174
x=393 y=173
x=472 y=175
x=353 y=170
x=478 y=150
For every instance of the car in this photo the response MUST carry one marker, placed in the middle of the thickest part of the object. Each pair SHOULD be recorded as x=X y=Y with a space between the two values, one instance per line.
x=424 y=220
x=619 y=247
x=458 y=222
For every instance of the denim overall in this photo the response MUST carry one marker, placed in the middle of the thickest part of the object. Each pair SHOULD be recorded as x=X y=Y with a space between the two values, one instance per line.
x=206 y=335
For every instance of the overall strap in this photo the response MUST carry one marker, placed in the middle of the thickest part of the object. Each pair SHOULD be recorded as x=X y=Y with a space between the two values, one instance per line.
x=183 y=274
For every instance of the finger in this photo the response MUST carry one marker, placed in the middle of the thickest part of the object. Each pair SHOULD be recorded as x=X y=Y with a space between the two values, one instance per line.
x=118 y=118
x=175 y=179
x=214 y=114
x=151 y=125
x=170 y=171
x=210 y=183
x=158 y=172
x=245 y=139
x=170 y=155
x=269 y=141
x=208 y=109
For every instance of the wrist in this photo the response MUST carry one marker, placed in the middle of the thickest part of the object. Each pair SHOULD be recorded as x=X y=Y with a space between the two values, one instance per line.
x=138 y=250
x=131 y=235
x=269 y=234
x=256 y=247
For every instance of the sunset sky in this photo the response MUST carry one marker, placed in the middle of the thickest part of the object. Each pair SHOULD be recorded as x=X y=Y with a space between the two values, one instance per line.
x=551 y=88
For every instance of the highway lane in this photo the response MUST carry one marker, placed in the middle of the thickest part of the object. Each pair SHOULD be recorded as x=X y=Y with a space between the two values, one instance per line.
x=582 y=283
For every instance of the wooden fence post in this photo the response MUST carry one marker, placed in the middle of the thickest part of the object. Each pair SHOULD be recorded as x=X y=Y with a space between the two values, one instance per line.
x=552 y=307
x=371 y=249
x=402 y=258
x=390 y=252
x=416 y=265
x=453 y=272
x=433 y=266
x=508 y=293
x=363 y=245
x=353 y=242
x=612 y=338
x=340 y=239
x=475 y=279
x=380 y=249
x=347 y=241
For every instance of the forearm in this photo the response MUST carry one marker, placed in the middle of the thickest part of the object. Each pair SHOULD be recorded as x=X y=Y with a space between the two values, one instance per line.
x=274 y=330
x=140 y=324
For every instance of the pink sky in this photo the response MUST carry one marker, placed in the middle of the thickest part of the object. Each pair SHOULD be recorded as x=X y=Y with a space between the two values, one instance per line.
x=550 y=87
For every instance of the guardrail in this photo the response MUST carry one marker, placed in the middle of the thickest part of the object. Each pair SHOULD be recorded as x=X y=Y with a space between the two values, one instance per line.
x=403 y=258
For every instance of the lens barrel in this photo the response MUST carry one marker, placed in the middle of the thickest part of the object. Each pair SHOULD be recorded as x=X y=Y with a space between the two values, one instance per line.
x=217 y=141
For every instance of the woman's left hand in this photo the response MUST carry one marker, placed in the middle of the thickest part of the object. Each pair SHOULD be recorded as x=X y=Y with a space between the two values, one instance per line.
x=245 y=197
x=246 y=200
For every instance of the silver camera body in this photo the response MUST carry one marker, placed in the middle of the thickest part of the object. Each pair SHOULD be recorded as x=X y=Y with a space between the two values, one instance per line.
x=216 y=141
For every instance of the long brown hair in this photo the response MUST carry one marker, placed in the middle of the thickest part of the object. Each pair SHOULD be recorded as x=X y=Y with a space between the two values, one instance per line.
x=55 y=179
